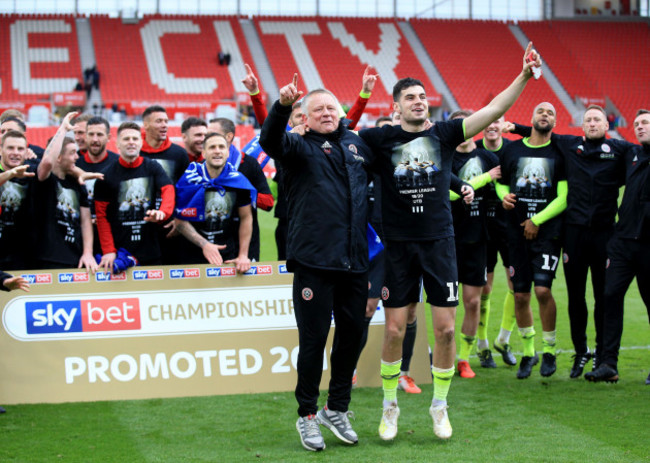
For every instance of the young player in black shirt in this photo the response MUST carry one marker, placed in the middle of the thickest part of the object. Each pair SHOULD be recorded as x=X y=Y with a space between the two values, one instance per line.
x=479 y=168
x=61 y=214
x=415 y=164
x=533 y=188
x=125 y=202
x=494 y=142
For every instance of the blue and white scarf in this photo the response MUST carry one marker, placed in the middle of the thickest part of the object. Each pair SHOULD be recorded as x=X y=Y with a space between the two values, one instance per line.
x=190 y=189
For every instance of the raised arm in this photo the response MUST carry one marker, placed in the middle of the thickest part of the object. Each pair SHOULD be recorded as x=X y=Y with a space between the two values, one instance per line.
x=54 y=147
x=504 y=100
x=367 y=86
x=252 y=85
x=273 y=136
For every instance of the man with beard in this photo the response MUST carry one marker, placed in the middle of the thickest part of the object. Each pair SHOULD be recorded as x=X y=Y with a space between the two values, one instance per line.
x=194 y=131
x=534 y=225
x=124 y=202
x=95 y=158
x=61 y=213
x=595 y=170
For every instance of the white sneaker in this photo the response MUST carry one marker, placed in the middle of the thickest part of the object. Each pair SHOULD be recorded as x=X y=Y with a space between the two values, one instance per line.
x=441 y=424
x=388 y=424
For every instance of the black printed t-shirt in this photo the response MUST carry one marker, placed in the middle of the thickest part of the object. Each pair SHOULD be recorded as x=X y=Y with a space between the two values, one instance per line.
x=221 y=206
x=532 y=174
x=130 y=192
x=415 y=171
x=493 y=205
x=57 y=207
x=15 y=221
x=84 y=163
x=470 y=219
x=173 y=160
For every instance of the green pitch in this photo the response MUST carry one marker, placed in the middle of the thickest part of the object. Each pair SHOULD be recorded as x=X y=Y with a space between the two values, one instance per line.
x=496 y=418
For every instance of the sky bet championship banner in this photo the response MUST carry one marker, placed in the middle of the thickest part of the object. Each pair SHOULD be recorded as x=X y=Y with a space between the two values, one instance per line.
x=161 y=332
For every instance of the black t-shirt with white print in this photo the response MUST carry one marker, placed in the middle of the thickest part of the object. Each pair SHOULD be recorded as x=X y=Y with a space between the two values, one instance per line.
x=470 y=220
x=415 y=171
x=532 y=172
x=57 y=207
x=130 y=192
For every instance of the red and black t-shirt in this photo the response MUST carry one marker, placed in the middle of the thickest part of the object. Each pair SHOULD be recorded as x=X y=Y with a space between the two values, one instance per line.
x=122 y=199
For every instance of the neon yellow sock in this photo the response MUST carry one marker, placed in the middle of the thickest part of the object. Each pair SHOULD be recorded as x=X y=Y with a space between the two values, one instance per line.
x=441 y=382
x=528 y=338
x=466 y=344
x=390 y=378
x=548 y=342
x=485 y=315
x=508 y=319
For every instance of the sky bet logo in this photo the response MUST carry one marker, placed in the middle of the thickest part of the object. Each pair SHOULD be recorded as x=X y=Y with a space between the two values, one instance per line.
x=147 y=274
x=184 y=273
x=76 y=277
x=260 y=270
x=214 y=272
x=282 y=268
x=82 y=315
x=38 y=278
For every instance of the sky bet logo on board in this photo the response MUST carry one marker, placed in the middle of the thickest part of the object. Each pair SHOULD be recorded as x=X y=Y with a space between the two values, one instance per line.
x=260 y=270
x=75 y=277
x=82 y=315
x=147 y=274
x=107 y=276
x=214 y=272
x=282 y=268
x=38 y=278
x=184 y=273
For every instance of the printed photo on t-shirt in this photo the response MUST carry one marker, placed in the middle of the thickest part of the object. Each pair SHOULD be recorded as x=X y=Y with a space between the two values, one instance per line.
x=218 y=211
x=168 y=166
x=67 y=207
x=134 y=199
x=12 y=197
x=534 y=178
x=416 y=164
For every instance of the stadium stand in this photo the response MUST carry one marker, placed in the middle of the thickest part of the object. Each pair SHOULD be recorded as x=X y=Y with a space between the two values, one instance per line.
x=333 y=52
x=476 y=70
x=169 y=60
x=613 y=57
x=40 y=56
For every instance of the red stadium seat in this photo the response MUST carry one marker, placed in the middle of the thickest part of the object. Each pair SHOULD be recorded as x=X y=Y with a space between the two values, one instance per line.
x=477 y=70
x=171 y=61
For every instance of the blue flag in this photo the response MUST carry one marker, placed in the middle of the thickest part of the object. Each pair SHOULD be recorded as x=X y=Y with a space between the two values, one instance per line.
x=190 y=189
x=375 y=245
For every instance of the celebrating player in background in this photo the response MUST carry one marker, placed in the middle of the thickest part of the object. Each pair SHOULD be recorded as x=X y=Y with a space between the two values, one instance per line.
x=534 y=189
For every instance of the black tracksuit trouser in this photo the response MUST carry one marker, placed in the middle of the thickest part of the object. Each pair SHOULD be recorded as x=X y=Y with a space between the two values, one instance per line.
x=317 y=294
x=627 y=259
x=585 y=249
